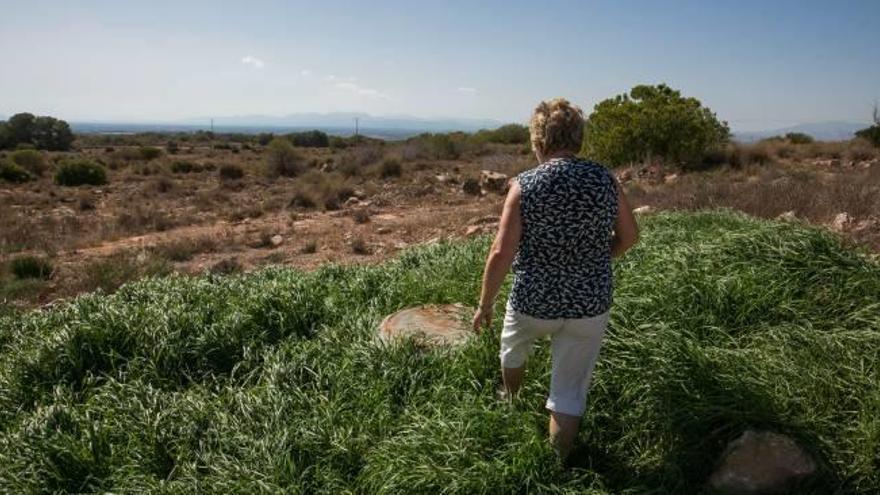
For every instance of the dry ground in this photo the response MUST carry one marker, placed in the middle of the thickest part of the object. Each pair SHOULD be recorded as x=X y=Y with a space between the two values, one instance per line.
x=350 y=206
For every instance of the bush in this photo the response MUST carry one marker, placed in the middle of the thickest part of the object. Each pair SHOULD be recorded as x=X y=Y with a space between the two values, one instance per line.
x=649 y=123
x=799 y=138
x=185 y=167
x=283 y=159
x=31 y=267
x=506 y=134
x=149 y=153
x=78 y=172
x=309 y=139
x=12 y=172
x=31 y=160
x=231 y=172
x=871 y=134
x=390 y=168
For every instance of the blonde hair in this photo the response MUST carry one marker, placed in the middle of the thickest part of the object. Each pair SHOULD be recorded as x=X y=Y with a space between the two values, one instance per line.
x=556 y=126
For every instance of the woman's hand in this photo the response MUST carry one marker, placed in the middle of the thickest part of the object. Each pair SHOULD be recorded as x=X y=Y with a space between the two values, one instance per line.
x=483 y=317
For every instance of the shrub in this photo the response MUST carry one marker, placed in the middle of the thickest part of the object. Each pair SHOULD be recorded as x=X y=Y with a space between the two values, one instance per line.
x=31 y=160
x=506 y=134
x=78 y=172
x=283 y=159
x=799 y=138
x=12 y=172
x=871 y=134
x=231 y=172
x=309 y=139
x=318 y=188
x=360 y=216
x=185 y=167
x=149 y=153
x=652 y=122
x=29 y=267
x=390 y=168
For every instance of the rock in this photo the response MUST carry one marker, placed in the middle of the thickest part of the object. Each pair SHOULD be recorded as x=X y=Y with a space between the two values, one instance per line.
x=493 y=181
x=643 y=210
x=447 y=324
x=671 y=178
x=357 y=193
x=276 y=240
x=472 y=187
x=788 y=216
x=625 y=176
x=383 y=230
x=761 y=462
x=327 y=167
x=351 y=201
x=443 y=179
x=841 y=222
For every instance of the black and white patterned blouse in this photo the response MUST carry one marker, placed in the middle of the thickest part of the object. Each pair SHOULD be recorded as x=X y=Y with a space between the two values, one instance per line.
x=563 y=264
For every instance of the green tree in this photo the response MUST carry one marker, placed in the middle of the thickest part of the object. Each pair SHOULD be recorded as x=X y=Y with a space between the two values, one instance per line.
x=872 y=133
x=652 y=122
x=282 y=159
x=21 y=128
x=47 y=133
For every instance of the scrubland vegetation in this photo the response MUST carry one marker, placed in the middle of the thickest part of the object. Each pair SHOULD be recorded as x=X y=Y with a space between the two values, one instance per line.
x=198 y=376
x=274 y=381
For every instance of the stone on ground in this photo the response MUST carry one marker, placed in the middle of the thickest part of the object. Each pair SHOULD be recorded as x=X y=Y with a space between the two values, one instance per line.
x=493 y=181
x=445 y=324
x=642 y=210
x=761 y=462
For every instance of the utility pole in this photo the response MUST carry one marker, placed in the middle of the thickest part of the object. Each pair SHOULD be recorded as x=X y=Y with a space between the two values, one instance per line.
x=212 y=126
x=356 y=126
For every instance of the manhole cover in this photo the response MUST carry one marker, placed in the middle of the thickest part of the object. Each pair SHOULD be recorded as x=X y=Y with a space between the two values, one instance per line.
x=442 y=324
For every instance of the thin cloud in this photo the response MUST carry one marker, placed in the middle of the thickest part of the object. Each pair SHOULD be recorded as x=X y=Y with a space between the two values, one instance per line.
x=467 y=90
x=253 y=61
x=360 y=90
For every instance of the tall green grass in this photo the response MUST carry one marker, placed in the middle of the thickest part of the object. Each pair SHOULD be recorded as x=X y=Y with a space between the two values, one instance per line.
x=273 y=381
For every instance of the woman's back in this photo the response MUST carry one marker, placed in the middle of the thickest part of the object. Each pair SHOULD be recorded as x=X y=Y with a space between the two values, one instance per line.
x=563 y=264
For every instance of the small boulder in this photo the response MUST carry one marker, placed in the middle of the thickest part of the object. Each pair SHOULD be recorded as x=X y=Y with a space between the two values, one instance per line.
x=625 y=176
x=493 y=181
x=841 y=222
x=761 y=462
x=443 y=179
x=643 y=210
x=671 y=178
x=276 y=240
x=788 y=216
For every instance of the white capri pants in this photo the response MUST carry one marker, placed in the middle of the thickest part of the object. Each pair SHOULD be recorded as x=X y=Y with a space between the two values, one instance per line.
x=575 y=349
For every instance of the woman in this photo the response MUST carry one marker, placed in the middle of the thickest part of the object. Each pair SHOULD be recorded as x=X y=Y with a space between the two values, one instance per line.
x=562 y=223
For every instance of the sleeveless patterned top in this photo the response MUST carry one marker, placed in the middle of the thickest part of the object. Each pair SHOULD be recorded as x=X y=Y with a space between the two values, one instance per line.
x=562 y=267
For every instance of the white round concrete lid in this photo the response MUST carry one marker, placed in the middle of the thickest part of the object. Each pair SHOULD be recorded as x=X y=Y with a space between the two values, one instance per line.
x=436 y=324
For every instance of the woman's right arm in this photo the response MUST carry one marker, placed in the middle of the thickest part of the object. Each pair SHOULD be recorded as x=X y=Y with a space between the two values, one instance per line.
x=626 y=231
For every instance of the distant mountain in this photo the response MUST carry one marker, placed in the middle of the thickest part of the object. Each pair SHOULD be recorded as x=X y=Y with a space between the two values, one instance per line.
x=822 y=131
x=343 y=124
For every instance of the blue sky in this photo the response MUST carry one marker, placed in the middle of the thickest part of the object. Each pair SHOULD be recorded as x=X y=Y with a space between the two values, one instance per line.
x=758 y=64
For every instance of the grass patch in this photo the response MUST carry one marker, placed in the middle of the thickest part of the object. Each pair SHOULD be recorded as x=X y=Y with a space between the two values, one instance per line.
x=273 y=381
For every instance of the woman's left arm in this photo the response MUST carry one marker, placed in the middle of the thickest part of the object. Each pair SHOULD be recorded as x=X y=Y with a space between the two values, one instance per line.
x=500 y=256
